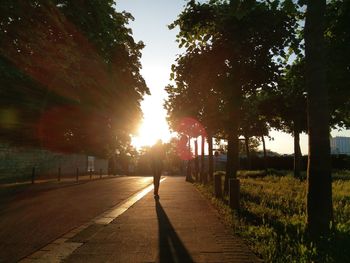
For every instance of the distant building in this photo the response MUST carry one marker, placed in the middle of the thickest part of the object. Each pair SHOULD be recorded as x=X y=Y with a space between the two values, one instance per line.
x=340 y=145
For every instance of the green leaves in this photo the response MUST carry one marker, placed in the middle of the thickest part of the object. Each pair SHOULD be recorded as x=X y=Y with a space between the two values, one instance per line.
x=229 y=53
x=77 y=55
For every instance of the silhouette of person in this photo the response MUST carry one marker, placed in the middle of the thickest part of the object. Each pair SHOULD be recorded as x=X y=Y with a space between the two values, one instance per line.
x=158 y=154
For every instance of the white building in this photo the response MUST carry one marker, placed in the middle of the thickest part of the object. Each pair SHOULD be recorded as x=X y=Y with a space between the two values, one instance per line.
x=340 y=145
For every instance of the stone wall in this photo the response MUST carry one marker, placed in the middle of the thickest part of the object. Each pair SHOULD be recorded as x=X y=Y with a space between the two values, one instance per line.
x=16 y=164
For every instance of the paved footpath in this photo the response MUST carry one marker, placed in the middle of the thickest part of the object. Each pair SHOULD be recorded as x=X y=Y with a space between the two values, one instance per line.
x=180 y=227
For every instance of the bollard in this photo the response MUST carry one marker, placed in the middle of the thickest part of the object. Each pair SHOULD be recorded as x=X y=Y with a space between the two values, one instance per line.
x=217 y=186
x=205 y=178
x=90 y=174
x=100 y=173
x=33 y=175
x=59 y=174
x=77 y=177
x=234 y=193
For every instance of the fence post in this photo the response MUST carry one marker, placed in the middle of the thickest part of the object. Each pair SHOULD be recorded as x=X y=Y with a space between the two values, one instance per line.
x=59 y=174
x=234 y=193
x=217 y=185
x=77 y=175
x=100 y=173
x=33 y=175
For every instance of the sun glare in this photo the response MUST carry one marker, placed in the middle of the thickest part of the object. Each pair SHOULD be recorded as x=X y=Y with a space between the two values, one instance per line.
x=153 y=128
x=154 y=125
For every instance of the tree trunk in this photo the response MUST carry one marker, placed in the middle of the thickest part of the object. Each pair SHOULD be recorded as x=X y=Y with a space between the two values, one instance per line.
x=229 y=159
x=196 y=160
x=265 y=155
x=211 y=158
x=297 y=151
x=189 y=168
x=232 y=164
x=233 y=140
x=232 y=156
x=319 y=182
x=249 y=163
x=203 y=175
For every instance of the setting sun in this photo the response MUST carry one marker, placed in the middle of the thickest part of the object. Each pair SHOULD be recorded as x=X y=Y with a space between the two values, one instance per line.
x=149 y=132
x=153 y=126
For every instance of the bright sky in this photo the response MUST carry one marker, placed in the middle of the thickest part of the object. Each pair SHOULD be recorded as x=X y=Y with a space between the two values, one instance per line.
x=150 y=26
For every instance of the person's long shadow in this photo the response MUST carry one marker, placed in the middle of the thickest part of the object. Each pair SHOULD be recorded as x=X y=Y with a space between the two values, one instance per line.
x=171 y=248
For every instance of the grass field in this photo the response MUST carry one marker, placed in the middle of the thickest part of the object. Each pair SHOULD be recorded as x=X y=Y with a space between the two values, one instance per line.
x=272 y=218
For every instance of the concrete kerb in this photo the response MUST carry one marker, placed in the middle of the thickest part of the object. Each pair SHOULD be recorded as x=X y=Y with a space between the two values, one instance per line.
x=63 y=180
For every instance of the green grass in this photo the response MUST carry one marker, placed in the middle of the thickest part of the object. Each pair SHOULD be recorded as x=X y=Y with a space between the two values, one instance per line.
x=341 y=175
x=272 y=219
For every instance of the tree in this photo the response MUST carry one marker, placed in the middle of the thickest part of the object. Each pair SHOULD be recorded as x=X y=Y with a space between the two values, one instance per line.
x=83 y=60
x=173 y=162
x=293 y=113
x=254 y=123
x=289 y=97
x=194 y=95
x=319 y=182
x=337 y=37
x=288 y=113
x=245 y=35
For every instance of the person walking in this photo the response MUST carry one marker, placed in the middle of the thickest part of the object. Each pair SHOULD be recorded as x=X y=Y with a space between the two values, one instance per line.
x=158 y=155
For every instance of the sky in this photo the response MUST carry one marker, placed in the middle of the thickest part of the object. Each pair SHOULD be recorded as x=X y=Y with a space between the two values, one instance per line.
x=152 y=18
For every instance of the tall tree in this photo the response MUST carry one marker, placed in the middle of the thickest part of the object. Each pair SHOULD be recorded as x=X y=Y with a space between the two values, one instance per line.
x=337 y=38
x=254 y=123
x=293 y=112
x=194 y=95
x=245 y=36
x=288 y=113
x=83 y=59
x=319 y=182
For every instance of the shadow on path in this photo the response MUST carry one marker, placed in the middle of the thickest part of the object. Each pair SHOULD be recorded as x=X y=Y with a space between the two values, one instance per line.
x=171 y=248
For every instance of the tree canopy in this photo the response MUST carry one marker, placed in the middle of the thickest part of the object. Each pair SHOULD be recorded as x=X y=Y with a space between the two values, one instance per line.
x=74 y=68
x=230 y=50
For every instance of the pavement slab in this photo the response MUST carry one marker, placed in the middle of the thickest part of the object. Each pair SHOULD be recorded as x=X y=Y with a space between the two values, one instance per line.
x=181 y=226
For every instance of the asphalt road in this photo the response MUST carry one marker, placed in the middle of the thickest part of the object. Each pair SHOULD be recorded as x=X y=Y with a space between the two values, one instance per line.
x=31 y=219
